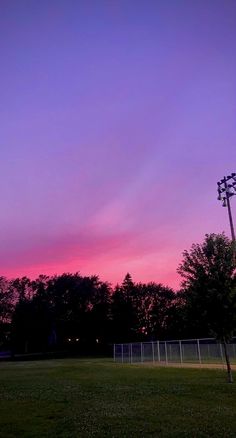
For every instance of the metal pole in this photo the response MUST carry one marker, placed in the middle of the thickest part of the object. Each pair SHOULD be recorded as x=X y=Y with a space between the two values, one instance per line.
x=229 y=210
x=114 y=352
x=131 y=353
x=226 y=189
x=122 y=353
x=158 y=351
x=199 y=352
x=141 y=352
x=230 y=218
x=180 y=352
x=166 y=353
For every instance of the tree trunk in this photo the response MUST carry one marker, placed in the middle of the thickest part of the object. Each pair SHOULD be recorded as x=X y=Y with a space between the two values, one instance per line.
x=227 y=360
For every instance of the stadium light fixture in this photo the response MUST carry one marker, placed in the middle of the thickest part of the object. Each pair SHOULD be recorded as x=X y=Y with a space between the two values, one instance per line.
x=224 y=204
x=227 y=185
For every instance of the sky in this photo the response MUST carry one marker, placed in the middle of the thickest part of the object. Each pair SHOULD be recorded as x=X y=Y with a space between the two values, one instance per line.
x=117 y=118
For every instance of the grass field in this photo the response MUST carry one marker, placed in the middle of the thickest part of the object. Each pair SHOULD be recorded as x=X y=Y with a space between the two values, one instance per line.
x=96 y=398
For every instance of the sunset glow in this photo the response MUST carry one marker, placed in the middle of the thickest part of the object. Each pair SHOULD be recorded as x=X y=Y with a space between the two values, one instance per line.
x=117 y=120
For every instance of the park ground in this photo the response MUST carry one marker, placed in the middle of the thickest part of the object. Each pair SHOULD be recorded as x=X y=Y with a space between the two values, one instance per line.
x=98 y=398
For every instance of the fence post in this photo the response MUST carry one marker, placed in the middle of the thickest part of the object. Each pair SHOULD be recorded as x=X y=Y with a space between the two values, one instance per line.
x=122 y=353
x=153 y=356
x=141 y=352
x=180 y=352
x=114 y=352
x=131 y=353
x=158 y=351
x=199 y=351
x=166 y=353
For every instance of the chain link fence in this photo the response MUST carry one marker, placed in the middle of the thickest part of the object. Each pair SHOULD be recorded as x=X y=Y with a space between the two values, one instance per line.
x=178 y=351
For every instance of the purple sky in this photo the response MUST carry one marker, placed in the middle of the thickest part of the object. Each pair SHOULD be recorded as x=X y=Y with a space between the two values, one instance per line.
x=117 y=118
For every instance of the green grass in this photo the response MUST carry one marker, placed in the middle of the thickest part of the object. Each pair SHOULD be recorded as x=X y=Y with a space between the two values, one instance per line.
x=96 y=398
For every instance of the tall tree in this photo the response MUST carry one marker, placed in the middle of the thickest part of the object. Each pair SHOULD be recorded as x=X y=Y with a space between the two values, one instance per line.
x=6 y=310
x=80 y=309
x=22 y=288
x=209 y=287
x=163 y=299
x=124 y=311
x=152 y=308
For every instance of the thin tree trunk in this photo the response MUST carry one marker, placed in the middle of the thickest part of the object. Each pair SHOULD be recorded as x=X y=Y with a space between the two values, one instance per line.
x=227 y=360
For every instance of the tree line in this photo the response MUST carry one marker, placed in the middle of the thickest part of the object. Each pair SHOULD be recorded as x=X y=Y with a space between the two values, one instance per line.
x=85 y=314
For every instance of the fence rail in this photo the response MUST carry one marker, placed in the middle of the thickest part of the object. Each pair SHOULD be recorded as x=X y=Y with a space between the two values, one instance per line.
x=200 y=351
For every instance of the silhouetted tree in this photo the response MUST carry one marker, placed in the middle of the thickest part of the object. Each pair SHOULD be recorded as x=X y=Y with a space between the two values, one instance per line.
x=78 y=308
x=152 y=303
x=124 y=311
x=209 y=287
x=22 y=288
x=141 y=311
x=6 y=311
x=161 y=309
x=100 y=314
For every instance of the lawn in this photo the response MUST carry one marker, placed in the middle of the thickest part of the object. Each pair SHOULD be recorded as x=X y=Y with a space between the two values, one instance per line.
x=97 y=398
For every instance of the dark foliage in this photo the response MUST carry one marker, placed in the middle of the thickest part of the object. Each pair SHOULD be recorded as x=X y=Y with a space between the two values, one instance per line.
x=209 y=289
x=84 y=314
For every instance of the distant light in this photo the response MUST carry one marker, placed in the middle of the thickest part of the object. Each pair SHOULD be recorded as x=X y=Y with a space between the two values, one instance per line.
x=97 y=341
x=77 y=339
x=69 y=339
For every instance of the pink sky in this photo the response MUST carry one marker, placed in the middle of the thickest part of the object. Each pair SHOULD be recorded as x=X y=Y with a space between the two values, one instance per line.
x=117 y=120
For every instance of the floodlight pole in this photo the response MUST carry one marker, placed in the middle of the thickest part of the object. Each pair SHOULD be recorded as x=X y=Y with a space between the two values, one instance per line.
x=227 y=189
x=230 y=215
